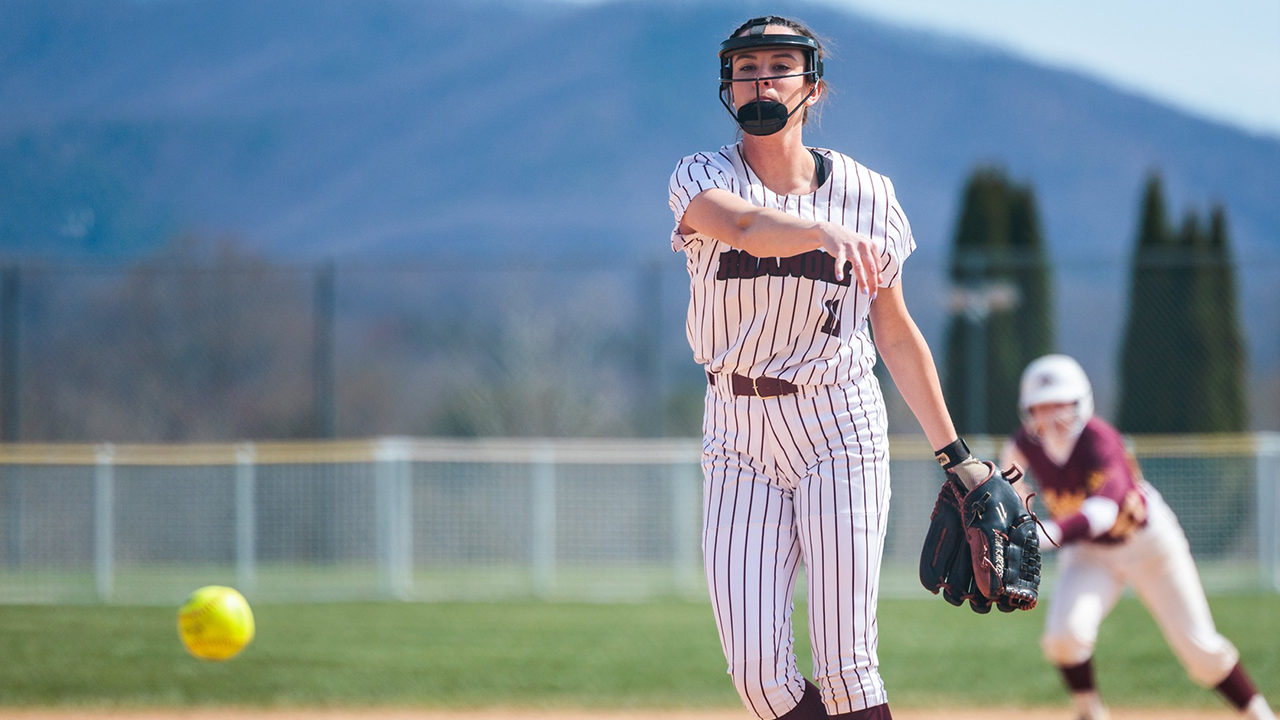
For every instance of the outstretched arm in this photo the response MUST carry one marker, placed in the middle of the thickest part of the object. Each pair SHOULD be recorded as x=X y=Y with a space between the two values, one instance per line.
x=907 y=355
x=764 y=232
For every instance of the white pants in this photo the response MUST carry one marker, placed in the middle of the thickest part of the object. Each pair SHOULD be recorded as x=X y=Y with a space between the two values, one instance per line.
x=1156 y=562
x=798 y=478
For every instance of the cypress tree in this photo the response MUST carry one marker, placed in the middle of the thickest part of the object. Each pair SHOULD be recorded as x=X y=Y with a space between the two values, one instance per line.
x=998 y=245
x=1148 y=395
x=1032 y=332
x=1218 y=321
x=977 y=229
x=1182 y=362
x=1191 y=286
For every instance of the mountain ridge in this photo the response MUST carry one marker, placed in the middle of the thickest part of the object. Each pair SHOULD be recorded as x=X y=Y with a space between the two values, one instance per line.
x=341 y=129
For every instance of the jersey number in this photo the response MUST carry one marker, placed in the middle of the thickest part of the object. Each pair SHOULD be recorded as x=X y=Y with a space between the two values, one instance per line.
x=832 y=324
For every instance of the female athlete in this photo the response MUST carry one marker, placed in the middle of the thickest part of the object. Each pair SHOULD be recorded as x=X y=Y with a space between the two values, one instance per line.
x=792 y=251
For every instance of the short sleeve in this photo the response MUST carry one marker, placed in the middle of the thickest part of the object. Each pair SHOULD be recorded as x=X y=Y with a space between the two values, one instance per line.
x=1110 y=474
x=899 y=242
x=695 y=174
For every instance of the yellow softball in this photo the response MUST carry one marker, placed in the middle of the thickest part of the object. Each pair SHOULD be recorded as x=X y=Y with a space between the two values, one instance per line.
x=215 y=623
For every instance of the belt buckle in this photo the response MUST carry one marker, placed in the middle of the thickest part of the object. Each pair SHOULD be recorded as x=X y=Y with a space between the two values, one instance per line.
x=755 y=387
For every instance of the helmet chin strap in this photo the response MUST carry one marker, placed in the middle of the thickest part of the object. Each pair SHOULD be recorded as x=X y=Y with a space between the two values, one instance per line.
x=762 y=117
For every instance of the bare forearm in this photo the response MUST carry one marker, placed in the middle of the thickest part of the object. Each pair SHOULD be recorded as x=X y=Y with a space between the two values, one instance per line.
x=910 y=363
x=770 y=233
x=765 y=232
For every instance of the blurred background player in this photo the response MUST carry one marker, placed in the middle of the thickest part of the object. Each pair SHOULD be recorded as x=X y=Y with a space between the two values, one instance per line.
x=1115 y=531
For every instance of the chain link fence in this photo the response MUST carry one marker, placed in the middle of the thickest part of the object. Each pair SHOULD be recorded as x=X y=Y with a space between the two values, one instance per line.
x=489 y=519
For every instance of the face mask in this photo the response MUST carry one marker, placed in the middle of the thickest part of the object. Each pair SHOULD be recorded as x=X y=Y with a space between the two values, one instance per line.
x=765 y=117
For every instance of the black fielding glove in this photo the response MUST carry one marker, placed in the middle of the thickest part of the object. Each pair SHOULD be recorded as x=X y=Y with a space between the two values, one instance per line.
x=1003 y=542
x=946 y=563
x=982 y=545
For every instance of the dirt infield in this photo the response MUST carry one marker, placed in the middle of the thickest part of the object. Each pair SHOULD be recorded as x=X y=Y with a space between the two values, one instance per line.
x=517 y=714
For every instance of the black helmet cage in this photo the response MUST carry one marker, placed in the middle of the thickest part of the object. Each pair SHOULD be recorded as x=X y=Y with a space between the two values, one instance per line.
x=755 y=38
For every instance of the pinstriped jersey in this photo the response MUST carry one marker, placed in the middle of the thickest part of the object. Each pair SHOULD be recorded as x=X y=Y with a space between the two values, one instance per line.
x=786 y=318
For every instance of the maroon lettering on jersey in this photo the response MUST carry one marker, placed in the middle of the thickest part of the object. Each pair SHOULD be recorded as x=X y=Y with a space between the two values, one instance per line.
x=1099 y=465
x=813 y=265
x=792 y=266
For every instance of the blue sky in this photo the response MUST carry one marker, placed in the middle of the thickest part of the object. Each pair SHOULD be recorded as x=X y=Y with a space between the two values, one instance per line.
x=1220 y=63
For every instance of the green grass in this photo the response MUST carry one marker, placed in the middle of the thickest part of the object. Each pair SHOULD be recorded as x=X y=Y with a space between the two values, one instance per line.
x=660 y=654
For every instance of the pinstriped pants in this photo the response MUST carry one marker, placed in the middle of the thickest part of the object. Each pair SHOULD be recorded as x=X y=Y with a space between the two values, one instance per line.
x=798 y=478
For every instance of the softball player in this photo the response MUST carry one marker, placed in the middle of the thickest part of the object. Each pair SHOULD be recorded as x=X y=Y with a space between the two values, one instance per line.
x=792 y=251
x=1116 y=531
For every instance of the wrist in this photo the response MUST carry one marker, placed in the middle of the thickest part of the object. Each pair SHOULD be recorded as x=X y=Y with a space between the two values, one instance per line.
x=956 y=460
x=952 y=454
x=818 y=236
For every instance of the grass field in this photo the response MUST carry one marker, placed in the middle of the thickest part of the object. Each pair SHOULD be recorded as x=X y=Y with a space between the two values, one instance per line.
x=546 y=655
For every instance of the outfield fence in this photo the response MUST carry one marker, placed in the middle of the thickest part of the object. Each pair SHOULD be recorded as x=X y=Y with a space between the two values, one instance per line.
x=430 y=519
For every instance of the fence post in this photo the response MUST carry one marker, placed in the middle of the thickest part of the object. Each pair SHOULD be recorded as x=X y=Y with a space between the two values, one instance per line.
x=686 y=496
x=104 y=522
x=246 y=519
x=393 y=512
x=404 y=525
x=1267 y=489
x=543 y=495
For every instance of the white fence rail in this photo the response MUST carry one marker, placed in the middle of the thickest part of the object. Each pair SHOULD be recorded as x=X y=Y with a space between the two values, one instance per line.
x=413 y=519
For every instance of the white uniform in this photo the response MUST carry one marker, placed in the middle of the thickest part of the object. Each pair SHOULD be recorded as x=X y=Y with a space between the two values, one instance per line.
x=1156 y=562
x=803 y=476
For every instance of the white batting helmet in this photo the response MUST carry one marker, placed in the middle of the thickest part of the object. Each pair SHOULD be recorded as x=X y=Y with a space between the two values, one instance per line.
x=1056 y=379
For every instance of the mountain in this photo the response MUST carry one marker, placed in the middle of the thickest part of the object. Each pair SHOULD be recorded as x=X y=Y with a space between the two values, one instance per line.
x=348 y=127
x=377 y=130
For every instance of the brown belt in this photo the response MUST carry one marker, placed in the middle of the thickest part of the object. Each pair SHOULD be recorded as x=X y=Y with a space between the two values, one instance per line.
x=759 y=387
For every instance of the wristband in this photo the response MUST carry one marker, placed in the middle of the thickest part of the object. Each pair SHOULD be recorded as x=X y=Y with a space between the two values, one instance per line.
x=953 y=454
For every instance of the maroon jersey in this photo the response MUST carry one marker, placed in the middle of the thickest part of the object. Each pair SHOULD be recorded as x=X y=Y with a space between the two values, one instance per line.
x=1099 y=465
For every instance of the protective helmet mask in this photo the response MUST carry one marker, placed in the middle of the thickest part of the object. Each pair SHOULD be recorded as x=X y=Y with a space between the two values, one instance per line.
x=1056 y=380
x=762 y=116
x=765 y=117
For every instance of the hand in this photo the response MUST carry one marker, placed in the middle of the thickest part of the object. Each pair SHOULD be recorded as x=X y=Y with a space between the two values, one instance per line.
x=847 y=246
x=972 y=472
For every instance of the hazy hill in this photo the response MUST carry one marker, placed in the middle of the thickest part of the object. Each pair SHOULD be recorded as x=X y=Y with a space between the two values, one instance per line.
x=367 y=128
x=343 y=126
